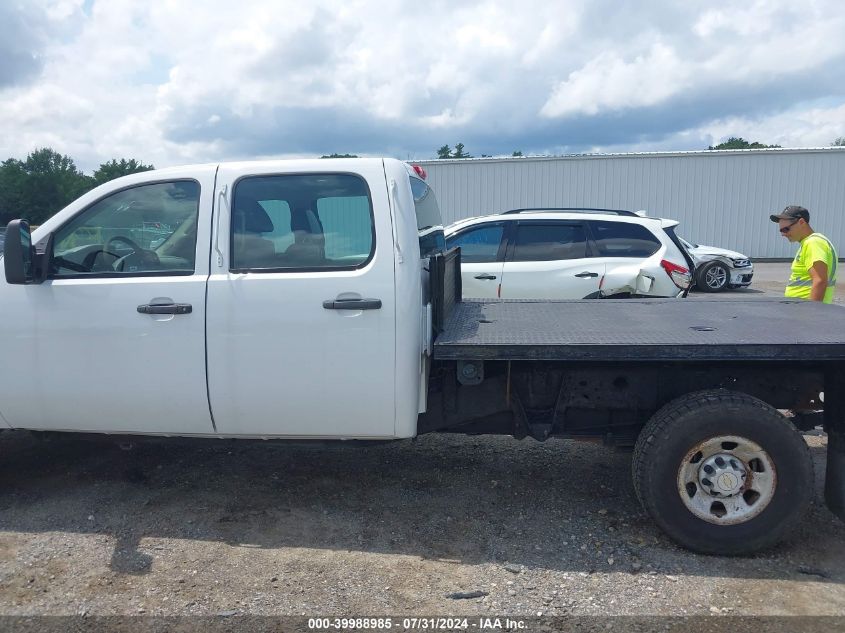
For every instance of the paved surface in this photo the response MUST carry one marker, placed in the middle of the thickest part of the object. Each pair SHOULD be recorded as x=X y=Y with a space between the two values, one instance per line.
x=769 y=281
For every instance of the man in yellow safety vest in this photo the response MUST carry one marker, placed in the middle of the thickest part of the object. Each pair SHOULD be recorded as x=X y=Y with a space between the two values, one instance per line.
x=814 y=268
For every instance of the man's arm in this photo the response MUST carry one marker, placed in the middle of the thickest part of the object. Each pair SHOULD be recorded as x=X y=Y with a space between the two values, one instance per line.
x=818 y=273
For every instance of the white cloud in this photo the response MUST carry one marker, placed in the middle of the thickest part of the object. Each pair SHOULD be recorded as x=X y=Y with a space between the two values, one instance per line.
x=62 y=9
x=755 y=47
x=745 y=19
x=738 y=44
x=173 y=82
x=609 y=82
x=810 y=127
x=804 y=126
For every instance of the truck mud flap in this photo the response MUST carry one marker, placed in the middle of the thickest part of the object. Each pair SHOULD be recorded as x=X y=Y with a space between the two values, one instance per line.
x=834 y=415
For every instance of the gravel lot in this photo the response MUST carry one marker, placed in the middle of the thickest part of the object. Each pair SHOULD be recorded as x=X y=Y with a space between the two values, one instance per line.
x=220 y=527
x=217 y=527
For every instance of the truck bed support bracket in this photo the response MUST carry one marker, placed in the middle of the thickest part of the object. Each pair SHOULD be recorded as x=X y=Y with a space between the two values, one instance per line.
x=834 y=416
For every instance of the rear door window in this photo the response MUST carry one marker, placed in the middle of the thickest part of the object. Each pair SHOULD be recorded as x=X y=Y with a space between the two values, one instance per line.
x=301 y=222
x=347 y=227
x=549 y=242
x=623 y=239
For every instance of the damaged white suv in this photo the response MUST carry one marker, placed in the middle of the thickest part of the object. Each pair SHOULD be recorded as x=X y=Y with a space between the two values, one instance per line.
x=570 y=253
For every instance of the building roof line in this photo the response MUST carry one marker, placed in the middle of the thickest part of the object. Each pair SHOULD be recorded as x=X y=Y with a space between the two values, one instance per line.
x=657 y=154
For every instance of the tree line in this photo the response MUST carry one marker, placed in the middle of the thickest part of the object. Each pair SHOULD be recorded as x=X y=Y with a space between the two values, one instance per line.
x=45 y=181
x=447 y=152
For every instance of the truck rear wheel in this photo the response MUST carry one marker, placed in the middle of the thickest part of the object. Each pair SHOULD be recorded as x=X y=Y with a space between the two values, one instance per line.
x=723 y=473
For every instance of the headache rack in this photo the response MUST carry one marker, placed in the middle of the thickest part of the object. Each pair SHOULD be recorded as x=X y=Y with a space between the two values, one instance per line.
x=445 y=285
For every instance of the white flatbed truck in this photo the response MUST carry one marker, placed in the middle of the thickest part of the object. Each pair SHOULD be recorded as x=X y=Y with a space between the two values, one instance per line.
x=314 y=300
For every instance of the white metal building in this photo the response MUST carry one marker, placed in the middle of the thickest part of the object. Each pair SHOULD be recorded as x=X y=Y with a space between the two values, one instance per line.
x=722 y=198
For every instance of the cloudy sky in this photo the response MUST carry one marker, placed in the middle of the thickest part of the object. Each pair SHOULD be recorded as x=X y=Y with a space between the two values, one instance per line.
x=171 y=82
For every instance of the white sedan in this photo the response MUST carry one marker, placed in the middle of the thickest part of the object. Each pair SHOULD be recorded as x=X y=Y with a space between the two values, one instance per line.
x=717 y=269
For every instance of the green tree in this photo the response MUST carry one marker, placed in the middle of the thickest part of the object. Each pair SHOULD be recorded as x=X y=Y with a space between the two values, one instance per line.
x=839 y=142
x=46 y=181
x=517 y=153
x=339 y=156
x=117 y=168
x=459 y=151
x=444 y=152
x=51 y=181
x=736 y=142
x=12 y=178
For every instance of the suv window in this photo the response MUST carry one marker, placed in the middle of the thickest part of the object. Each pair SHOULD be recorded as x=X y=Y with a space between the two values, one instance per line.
x=148 y=229
x=624 y=239
x=429 y=220
x=301 y=222
x=479 y=244
x=547 y=242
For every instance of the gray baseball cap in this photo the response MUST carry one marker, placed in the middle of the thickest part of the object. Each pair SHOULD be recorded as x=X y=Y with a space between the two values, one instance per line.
x=792 y=212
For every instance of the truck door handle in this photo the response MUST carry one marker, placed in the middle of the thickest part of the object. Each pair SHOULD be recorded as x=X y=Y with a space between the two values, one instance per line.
x=165 y=308
x=586 y=274
x=352 y=304
x=485 y=276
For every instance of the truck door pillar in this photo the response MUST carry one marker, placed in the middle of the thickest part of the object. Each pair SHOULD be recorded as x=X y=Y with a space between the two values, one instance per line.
x=834 y=422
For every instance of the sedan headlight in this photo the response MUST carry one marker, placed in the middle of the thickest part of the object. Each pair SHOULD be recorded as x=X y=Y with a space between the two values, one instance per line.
x=741 y=263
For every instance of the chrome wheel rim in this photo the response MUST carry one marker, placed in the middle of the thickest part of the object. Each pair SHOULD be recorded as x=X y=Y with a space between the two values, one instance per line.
x=716 y=277
x=727 y=480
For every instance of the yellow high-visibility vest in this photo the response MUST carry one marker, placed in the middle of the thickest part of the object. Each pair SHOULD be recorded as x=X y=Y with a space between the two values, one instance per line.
x=814 y=248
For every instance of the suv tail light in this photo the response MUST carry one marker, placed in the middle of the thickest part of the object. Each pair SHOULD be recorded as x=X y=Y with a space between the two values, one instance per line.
x=679 y=275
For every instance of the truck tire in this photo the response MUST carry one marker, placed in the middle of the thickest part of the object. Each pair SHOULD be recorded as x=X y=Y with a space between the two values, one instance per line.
x=713 y=277
x=723 y=473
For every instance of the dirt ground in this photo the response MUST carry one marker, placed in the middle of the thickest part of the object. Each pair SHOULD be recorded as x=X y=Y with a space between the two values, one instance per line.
x=217 y=527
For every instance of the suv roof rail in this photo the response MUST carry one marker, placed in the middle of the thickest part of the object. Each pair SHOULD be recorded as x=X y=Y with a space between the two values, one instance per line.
x=572 y=210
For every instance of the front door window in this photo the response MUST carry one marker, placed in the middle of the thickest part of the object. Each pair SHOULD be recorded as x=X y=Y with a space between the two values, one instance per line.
x=144 y=230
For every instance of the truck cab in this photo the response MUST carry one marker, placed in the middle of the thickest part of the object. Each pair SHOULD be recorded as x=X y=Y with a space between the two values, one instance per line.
x=269 y=299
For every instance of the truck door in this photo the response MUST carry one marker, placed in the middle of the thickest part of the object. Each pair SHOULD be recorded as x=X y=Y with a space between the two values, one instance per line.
x=549 y=259
x=114 y=339
x=301 y=319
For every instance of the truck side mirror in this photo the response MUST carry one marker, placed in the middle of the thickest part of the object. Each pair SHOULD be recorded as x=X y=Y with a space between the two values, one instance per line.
x=19 y=256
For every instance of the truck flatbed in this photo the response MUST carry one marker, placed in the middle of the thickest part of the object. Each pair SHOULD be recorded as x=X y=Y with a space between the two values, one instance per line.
x=651 y=330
